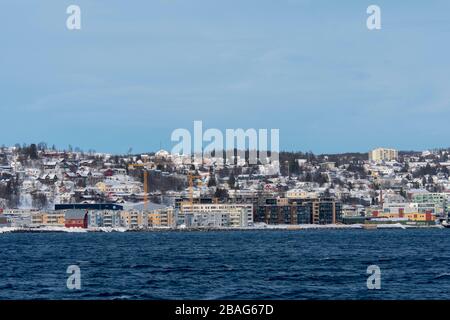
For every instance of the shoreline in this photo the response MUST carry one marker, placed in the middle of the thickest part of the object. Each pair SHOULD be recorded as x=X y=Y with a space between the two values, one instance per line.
x=248 y=229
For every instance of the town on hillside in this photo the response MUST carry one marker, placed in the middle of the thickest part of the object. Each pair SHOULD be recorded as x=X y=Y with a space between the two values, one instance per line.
x=43 y=188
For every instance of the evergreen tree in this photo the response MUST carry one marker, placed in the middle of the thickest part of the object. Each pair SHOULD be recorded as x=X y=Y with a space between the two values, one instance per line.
x=221 y=194
x=212 y=181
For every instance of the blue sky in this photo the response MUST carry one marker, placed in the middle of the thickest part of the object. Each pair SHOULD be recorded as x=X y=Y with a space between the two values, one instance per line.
x=140 y=69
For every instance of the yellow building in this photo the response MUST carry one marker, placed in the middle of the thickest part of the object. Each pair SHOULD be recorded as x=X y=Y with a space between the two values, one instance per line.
x=37 y=218
x=161 y=218
x=420 y=216
x=132 y=219
x=154 y=219
x=413 y=216
x=56 y=219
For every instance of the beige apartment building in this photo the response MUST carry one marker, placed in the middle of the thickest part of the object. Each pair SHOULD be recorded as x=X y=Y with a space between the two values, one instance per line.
x=55 y=219
x=163 y=217
x=383 y=154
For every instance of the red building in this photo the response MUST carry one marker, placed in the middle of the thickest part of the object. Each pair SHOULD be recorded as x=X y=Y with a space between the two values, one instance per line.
x=76 y=219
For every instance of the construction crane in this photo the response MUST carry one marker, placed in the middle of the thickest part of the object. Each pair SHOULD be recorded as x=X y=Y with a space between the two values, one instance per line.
x=191 y=178
x=142 y=165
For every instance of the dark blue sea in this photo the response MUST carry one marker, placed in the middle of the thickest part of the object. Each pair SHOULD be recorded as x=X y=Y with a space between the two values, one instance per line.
x=309 y=264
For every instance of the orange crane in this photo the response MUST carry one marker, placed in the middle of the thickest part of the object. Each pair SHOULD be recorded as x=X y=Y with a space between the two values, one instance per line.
x=142 y=165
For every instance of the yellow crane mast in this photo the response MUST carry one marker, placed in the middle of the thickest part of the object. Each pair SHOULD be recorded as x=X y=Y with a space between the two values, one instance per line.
x=191 y=178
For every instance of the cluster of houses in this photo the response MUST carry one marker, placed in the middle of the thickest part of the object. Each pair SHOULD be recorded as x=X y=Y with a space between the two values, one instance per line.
x=65 y=188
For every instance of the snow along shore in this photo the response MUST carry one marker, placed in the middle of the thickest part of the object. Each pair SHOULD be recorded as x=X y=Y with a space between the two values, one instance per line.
x=60 y=229
x=256 y=227
x=263 y=226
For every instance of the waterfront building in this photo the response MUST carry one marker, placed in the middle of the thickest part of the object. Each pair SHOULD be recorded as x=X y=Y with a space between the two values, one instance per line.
x=283 y=214
x=161 y=217
x=4 y=222
x=409 y=207
x=154 y=219
x=55 y=218
x=133 y=219
x=76 y=219
x=37 y=219
x=104 y=218
x=232 y=218
x=47 y=219
x=427 y=217
x=237 y=218
x=238 y=214
x=353 y=210
x=409 y=211
x=440 y=199
x=300 y=211
x=207 y=220
x=17 y=217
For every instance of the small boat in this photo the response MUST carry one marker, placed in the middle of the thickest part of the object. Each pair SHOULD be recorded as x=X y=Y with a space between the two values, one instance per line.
x=445 y=224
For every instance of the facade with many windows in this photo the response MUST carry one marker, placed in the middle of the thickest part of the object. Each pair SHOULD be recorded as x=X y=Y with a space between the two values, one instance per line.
x=300 y=211
x=383 y=154
x=222 y=215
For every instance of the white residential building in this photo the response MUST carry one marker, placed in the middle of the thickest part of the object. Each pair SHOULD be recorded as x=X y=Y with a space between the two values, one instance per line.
x=238 y=215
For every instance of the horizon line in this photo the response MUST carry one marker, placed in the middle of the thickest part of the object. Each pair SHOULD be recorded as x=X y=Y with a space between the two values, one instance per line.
x=91 y=150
